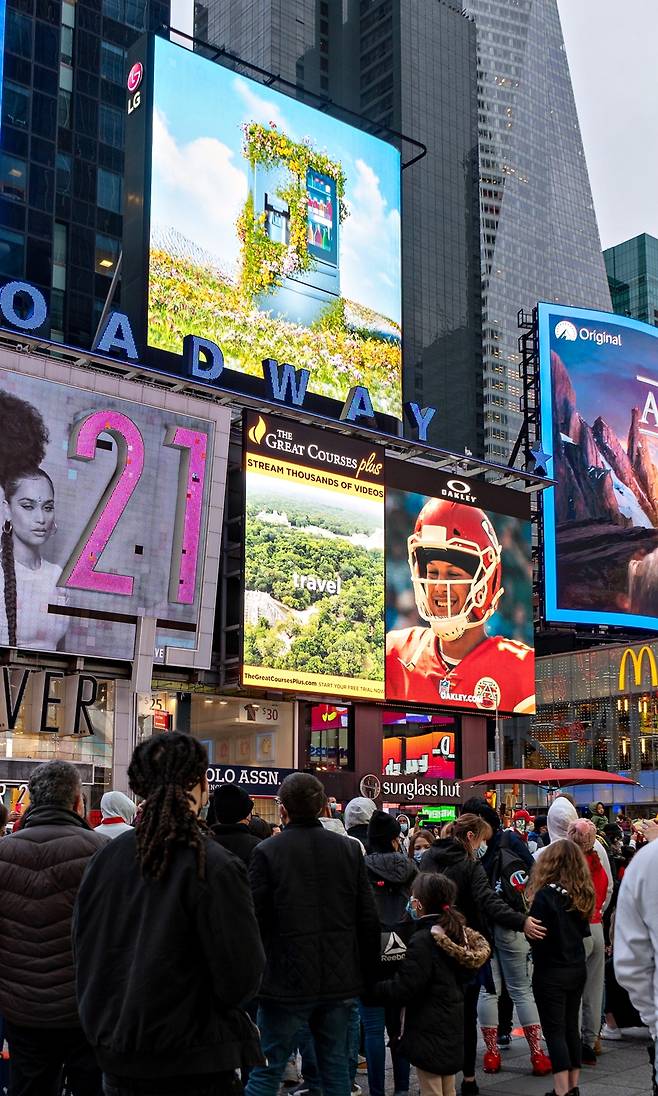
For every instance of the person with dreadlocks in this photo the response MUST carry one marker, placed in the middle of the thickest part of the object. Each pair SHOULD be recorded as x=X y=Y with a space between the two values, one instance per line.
x=28 y=582
x=167 y=945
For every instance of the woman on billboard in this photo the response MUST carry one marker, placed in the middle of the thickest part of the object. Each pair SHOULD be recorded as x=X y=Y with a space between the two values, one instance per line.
x=28 y=582
x=456 y=573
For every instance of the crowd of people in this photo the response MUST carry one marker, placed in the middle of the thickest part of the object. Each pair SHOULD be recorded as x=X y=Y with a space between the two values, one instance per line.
x=185 y=946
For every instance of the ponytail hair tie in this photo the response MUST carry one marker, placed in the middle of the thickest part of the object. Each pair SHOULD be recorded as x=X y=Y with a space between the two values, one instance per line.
x=446 y=907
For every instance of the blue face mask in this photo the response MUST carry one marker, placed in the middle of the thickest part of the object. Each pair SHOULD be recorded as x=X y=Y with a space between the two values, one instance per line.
x=419 y=854
x=411 y=910
x=482 y=851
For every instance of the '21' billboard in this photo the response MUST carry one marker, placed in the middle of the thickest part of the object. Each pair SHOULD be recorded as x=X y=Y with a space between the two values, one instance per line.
x=105 y=515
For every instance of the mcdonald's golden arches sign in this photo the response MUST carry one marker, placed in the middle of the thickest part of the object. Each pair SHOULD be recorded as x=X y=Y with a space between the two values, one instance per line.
x=637 y=661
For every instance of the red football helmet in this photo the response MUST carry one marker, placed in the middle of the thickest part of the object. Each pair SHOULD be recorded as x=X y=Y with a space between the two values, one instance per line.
x=464 y=536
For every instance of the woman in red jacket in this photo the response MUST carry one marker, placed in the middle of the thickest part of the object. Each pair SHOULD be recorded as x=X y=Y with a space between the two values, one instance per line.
x=583 y=833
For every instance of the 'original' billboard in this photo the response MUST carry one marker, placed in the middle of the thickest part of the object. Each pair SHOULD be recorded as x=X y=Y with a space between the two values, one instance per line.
x=599 y=416
x=314 y=560
x=105 y=506
x=263 y=225
x=459 y=629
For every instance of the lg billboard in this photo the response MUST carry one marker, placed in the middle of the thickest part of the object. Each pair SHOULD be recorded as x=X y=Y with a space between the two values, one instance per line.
x=599 y=415
x=261 y=224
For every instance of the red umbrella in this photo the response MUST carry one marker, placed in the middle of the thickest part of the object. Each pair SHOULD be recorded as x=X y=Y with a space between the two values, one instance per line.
x=549 y=777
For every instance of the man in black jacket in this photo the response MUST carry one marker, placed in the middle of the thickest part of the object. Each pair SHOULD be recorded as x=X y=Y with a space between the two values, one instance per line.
x=321 y=934
x=41 y=867
x=166 y=943
x=233 y=809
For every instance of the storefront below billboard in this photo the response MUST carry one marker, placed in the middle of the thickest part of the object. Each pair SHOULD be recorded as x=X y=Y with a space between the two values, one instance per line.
x=245 y=739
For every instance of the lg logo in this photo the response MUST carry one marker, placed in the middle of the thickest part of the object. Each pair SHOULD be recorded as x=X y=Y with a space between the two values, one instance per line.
x=566 y=330
x=135 y=77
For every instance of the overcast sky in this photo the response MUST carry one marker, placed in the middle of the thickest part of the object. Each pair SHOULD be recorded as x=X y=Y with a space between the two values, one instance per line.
x=613 y=49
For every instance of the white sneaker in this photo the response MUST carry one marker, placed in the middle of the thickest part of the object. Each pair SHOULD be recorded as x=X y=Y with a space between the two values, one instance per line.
x=356 y=1089
x=608 y=1032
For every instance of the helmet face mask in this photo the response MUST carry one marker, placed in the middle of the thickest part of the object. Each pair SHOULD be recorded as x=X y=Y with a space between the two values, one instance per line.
x=464 y=537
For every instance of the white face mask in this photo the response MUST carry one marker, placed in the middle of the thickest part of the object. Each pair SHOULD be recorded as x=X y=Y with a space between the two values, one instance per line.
x=482 y=851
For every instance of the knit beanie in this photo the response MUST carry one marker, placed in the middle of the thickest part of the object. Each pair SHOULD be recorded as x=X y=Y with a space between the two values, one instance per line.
x=383 y=828
x=231 y=804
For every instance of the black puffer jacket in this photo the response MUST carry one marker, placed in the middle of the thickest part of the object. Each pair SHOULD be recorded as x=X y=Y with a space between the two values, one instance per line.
x=41 y=867
x=429 y=984
x=480 y=905
x=391 y=875
x=316 y=913
x=236 y=839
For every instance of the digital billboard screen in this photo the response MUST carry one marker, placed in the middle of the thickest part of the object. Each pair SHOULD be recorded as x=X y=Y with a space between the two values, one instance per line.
x=314 y=560
x=105 y=514
x=459 y=628
x=421 y=745
x=599 y=421
x=274 y=230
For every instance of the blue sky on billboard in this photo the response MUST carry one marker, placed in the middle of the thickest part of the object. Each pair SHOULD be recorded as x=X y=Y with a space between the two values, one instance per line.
x=608 y=390
x=200 y=177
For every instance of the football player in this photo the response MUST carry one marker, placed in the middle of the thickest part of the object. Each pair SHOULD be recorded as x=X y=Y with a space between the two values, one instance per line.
x=455 y=564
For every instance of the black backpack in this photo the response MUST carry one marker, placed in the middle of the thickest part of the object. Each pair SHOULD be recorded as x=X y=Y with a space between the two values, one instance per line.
x=510 y=875
x=391 y=901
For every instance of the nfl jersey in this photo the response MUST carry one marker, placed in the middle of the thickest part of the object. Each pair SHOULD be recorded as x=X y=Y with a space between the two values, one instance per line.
x=498 y=673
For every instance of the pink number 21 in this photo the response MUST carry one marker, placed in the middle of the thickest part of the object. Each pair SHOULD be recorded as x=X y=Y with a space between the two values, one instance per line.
x=81 y=570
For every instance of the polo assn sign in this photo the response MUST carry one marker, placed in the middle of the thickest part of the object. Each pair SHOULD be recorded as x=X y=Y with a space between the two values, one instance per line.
x=264 y=782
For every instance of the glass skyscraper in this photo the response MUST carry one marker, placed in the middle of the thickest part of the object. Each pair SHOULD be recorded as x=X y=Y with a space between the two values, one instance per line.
x=409 y=65
x=539 y=236
x=632 y=268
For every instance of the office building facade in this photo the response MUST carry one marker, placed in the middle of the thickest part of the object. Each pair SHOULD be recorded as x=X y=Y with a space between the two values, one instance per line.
x=409 y=65
x=632 y=268
x=539 y=236
x=63 y=118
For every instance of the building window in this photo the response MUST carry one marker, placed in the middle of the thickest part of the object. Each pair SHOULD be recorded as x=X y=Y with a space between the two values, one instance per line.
x=107 y=253
x=59 y=256
x=19 y=33
x=63 y=173
x=13 y=177
x=126 y=11
x=109 y=190
x=110 y=126
x=64 y=108
x=66 y=45
x=16 y=105
x=12 y=247
x=113 y=62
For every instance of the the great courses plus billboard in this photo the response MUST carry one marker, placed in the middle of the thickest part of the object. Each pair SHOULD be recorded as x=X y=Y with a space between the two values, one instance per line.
x=261 y=224
x=314 y=560
x=111 y=511
x=599 y=416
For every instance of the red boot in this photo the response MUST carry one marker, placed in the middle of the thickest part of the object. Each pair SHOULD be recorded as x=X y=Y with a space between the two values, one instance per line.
x=541 y=1064
x=492 y=1061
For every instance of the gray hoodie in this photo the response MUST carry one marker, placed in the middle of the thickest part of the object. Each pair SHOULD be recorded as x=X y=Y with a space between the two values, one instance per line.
x=560 y=814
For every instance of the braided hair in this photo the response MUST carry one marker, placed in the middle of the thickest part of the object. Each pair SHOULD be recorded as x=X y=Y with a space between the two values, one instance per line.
x=23 y=440
x=163 y=770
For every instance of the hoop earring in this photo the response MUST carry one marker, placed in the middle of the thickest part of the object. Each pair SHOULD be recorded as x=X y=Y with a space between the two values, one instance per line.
x=7 y=527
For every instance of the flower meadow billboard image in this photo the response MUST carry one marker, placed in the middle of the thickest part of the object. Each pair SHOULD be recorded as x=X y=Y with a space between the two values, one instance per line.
x=274 y=230
x=314 y=560
x=105 y=506
x=599 y=420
